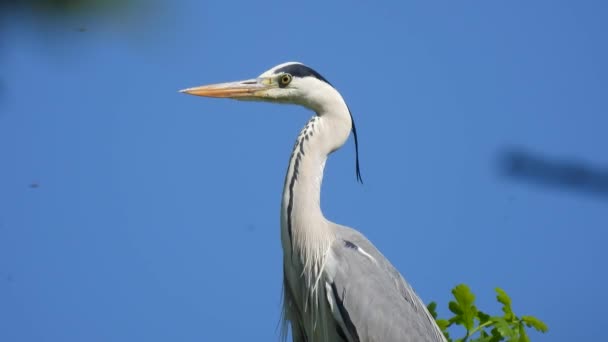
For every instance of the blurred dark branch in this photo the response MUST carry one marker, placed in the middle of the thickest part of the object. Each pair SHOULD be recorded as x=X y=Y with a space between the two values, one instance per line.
x=522 y=165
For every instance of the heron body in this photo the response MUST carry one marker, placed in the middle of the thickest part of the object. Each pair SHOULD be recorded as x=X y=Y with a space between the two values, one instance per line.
x=337 y=287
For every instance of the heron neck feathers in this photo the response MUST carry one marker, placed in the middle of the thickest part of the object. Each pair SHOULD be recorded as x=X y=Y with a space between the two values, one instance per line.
x=324 y=133
x=306 y=234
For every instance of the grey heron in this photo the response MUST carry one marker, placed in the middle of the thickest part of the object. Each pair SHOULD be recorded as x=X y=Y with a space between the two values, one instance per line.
x=336 y=285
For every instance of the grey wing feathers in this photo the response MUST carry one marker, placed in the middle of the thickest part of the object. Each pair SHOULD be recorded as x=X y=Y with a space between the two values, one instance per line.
x=369 y=299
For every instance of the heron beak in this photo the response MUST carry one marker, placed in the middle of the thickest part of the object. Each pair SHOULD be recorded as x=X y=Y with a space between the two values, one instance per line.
x=242 y=90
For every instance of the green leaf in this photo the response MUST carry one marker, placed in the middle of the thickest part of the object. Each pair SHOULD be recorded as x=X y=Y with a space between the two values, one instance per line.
x=443 y=324
x=455 y=320
x=480 y=326
x=536 y=323
x=505 y=300
x=447 y=336
x=483 y=317
x=432 y=307
x=496 y=335
x=465 y=300
x=482 y=339
x=455 y=308
x=523 y=337
x=503 y=297
x=502 y=326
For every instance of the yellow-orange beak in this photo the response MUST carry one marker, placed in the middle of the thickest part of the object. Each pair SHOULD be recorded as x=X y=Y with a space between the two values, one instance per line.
x=242 y=90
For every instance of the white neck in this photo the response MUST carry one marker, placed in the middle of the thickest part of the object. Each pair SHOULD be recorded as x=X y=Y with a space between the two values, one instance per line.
x=305 y=231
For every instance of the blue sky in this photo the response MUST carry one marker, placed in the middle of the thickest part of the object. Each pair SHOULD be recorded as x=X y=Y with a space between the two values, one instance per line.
x=130 y=212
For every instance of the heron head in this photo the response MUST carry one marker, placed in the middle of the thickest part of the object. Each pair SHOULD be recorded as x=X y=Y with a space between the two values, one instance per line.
x=290 y=82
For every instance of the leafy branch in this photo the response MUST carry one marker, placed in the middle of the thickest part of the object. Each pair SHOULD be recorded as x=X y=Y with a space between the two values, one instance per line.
x=481 y=327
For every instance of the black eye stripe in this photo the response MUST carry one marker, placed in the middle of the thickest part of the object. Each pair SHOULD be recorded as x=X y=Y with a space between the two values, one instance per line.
x=300 y=70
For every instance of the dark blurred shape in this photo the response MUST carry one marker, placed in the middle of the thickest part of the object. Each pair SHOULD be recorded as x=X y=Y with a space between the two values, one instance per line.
x=58 y=6
x=523 y=165
x=34 y=185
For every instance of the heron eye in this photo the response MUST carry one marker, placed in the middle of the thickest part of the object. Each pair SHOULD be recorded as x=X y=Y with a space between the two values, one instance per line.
x=284 y=80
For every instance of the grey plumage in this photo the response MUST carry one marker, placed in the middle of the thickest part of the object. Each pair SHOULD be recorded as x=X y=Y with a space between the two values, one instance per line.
x=368 y=298
x=337 y=287
x=377 y=317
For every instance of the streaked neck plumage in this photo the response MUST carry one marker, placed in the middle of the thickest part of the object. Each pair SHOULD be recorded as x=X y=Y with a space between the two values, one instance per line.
x=304 y=229
x=306 y=235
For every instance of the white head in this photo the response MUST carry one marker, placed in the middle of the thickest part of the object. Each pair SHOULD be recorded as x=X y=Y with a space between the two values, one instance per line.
x=291 y=82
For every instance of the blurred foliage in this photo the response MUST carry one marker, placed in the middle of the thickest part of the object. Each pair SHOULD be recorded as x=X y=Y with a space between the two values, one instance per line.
x=62 y=6
x=481 y=327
